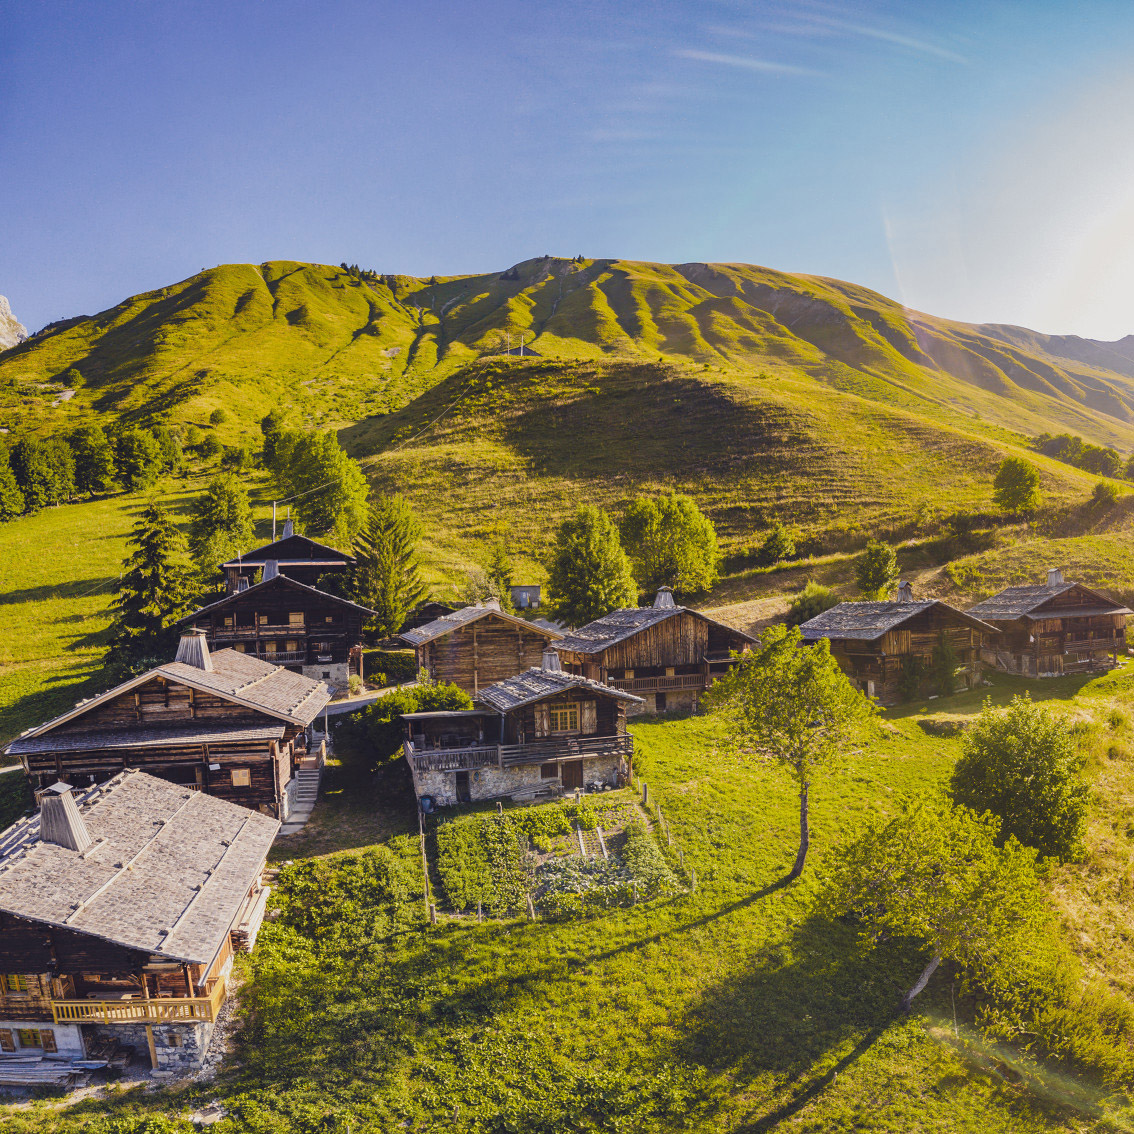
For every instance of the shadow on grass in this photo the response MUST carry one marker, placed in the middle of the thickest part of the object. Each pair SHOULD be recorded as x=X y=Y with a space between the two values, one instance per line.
x=788 y=1012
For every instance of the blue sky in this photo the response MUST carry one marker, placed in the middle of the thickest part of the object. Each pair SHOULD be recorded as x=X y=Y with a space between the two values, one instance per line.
x=973 y=160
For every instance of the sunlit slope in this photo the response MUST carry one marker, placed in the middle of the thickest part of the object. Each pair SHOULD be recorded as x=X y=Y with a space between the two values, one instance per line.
x=333 y=348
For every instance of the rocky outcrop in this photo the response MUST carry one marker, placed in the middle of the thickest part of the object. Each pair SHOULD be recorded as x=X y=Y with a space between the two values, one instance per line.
x=11 y=332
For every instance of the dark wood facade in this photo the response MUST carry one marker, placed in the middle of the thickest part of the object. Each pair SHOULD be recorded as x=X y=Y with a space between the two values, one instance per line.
x=295 y=556
x=289 y=624
x=1072 y=631
x=480 y=651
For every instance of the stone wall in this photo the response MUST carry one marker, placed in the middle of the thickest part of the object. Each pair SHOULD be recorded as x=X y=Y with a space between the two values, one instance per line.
x=676 y=700
x=496 y=783
x=339 y=671
x=179 y=1047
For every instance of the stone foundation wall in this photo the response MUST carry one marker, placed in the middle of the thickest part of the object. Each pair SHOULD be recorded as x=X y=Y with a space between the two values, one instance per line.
x=339 y=671
x=68 y=1038
x=496 y=783
x=179 y=1047
x=676 y=700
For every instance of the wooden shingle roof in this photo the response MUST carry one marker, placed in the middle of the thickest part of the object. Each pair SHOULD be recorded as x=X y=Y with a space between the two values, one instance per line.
x=619 y=625
x=1018 y=602
x=292 y=550
x=140 y=738
x=466 y=616
x=167 y=873
x=866 y=621
x=536 y=683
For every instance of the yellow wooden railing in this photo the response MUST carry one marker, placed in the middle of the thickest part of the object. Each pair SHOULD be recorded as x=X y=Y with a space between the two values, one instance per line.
x=163 y=1010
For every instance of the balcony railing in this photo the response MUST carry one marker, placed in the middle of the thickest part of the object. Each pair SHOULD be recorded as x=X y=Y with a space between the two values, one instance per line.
x=512 y=755
x=1108 y=644
x=138 y=1010
x=283 y=657
x=658 y=684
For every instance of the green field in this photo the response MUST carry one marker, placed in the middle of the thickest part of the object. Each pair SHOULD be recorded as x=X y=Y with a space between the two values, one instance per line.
x=732 y=1008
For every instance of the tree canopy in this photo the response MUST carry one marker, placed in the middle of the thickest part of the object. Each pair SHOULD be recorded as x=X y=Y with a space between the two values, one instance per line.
x=221 y=525
x=810 y=603
x=11 y=498
x=1021 y=764
x=794 y=704
x=385 y=576
x=935 y=875
x=44 y=471
x=589 y=574
x=876 y=570
x=779 y=544
x=670 y=542
x=139 y=458
x=154 y=592
x=328 y=489
x=1016 y=487
x=94 y=461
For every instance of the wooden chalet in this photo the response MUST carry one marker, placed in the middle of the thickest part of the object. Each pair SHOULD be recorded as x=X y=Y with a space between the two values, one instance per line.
x=872 y=641
x=295 y=556
x=222 y=723
x=121 y=907
x=666 y=654
x=478 y=645
x=286 y=622
x=540 y=732
x=425 y=613
x=1047 y=630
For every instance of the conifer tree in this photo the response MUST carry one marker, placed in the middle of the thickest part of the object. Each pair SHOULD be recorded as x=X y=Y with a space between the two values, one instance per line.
x=590 y=574
x=501 y=575
x=385 y=576
x=221 y=526
x=94 y=461
x=153 y=594
x=11 y=498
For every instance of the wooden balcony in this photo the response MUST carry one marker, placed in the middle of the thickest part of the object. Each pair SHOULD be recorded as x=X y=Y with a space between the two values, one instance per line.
x=659 y=684
x=512 y=755
x=139 y=1010
x=1084 y=645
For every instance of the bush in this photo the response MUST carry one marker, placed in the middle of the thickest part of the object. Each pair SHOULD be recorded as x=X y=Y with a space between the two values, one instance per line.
x=1105 y=495
x=72 y=377
x=779 y=544
x=876 y=570
x=210 y=447
x=810 y=603
x=1022 y=765
x=1015 y=489
x=395 y=667
x=218 y=417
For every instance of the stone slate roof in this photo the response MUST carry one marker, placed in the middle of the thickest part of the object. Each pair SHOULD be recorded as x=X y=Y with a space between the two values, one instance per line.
x=1016 y=602
x=466 y=616
x=292 y=550
x=536 y=683
x=278 y=582
x=866 y=621
x=236 y=677
x=619 y=625
x=140 y=738
x=167 y=873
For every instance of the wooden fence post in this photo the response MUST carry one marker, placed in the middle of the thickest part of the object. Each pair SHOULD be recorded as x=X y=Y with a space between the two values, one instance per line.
x=425 y=867
x=602 y=843
x=531 y=908
x=499 y=807
x=693 y=880
x=646 y=795
x=579 y=836
x=479 y=912
x=432 y=914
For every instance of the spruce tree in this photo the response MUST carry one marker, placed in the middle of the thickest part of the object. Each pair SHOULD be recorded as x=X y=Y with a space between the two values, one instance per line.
x=221 y=525
x=11 y=498
x=589 y=574
x=385 y=576
x=94 y=461
x=153 y=594
x=501 y=575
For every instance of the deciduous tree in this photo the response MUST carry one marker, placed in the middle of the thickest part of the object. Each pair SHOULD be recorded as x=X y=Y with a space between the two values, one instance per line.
x=11 y=498
x=221 y=524
x=935 y=875
x=670 y=542
x=44 y=471
x=589 y=574
x=138 y=458
x=1016 y=488
x=94 y=461
x=810 y=603
x=793 y=704
x=1021 y=764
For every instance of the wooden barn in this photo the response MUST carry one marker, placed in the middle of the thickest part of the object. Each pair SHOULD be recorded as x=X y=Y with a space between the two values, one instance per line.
x=478 y=645
x=295 y=556
x=1053 y=628
x=288 y=623
x=876 y=643
x=121 y=907
x=541 y=732
x=666 y=654
x=222 y=723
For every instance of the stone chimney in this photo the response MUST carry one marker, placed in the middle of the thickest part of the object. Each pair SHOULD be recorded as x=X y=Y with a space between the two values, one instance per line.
x=1054 y=577
x=491 y=604
x=271 y=570
x=194 y=650
x=905 y=591
x=59 y=819
x=288 y=529
x=663 y=600
x=551 y=661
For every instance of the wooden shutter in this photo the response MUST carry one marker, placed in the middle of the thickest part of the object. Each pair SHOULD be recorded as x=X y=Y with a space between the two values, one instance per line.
x=588 y=718
x=542 y=721
x=47 y=1039
x=7 y=1040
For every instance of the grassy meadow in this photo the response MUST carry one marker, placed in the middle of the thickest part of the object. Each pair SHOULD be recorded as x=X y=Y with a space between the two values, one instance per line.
x=731 y=1007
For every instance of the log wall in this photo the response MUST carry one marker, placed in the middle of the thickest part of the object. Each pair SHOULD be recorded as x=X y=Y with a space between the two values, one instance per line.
x=482 y=653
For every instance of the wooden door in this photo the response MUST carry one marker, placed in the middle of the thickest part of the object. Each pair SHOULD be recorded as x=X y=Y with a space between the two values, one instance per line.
x=464 y=795
x=572 y=774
